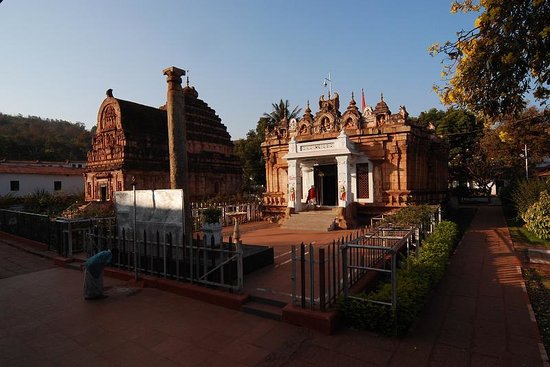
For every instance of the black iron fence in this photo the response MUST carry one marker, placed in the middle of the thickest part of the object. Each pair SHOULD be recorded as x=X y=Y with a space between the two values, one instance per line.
x=28 y=225
x=321 y=274
x=159 y=254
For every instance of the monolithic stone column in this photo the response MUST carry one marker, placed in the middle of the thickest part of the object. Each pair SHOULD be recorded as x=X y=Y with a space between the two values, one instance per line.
x=177 y=140
x=177 y=137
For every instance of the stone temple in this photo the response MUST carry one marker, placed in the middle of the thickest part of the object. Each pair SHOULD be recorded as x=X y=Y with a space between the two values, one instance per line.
x=131 y=142
x=360 y=162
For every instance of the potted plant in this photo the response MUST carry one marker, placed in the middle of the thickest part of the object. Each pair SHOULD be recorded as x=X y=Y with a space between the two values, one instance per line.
x=211 y=227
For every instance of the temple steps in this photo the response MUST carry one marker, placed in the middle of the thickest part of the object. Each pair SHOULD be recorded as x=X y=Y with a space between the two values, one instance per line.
x=315 y=220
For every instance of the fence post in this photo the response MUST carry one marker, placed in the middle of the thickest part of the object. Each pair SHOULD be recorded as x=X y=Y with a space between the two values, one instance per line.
x=240 y=277
x=69 y=239
x=312 y=275
x=293 y=272
x=164 y=253
x=394 y=287
x=303 y=274
x=322 y=287
x=344 y=248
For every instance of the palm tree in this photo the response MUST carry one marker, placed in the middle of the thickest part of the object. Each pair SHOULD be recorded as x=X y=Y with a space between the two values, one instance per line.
x=280 y=110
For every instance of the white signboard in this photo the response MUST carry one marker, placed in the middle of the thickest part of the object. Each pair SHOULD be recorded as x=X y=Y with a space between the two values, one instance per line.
x=156 y=211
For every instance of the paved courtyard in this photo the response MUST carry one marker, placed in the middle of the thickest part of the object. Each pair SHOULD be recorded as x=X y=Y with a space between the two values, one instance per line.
x=478 y=316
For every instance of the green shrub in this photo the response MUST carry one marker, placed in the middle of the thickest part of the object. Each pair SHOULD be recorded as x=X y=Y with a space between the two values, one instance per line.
x=537 y=217
x=415 y=280
x=527 y=192
x=212 y=215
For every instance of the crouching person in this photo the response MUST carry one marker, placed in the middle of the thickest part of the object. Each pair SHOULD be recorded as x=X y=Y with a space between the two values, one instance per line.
x=93 y=274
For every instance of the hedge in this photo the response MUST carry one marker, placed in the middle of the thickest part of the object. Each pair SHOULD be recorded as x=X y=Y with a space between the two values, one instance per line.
x=416 y=278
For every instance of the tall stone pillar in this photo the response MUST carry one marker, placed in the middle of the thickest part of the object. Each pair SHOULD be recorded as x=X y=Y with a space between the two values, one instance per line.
x=177 y=141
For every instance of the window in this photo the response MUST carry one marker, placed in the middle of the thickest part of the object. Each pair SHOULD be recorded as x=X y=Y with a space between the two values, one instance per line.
x=363 y=181
x=56 y=185
x=14 y=185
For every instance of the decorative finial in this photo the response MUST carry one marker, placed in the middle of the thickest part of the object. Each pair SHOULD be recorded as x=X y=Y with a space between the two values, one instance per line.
x=382 y=96
x=109 y=92
x=187 y=79
x=352 y=96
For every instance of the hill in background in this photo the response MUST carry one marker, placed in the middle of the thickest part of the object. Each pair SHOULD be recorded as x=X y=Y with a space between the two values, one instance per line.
x=35 y=138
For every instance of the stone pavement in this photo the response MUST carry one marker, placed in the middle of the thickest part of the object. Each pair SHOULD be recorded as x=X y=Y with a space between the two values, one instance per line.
x=478 y=316
x=15 y=262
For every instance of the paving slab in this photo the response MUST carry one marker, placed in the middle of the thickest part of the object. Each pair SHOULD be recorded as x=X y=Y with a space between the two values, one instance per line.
x=477 y=316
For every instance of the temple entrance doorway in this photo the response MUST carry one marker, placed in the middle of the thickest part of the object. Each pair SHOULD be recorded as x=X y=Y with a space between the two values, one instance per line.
x=103 y=193
x=325 y=177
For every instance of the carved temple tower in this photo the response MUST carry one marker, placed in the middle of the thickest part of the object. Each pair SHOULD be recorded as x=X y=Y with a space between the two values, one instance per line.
x=131 y=141
x=366 y=161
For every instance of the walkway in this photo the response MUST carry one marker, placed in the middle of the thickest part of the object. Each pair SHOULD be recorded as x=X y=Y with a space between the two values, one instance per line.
x=478 y=316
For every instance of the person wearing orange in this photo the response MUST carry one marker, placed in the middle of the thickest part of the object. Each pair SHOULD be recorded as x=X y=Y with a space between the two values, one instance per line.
x=311 y=197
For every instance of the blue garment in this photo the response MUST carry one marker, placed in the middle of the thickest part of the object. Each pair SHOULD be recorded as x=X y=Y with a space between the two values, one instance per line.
x=95 y=264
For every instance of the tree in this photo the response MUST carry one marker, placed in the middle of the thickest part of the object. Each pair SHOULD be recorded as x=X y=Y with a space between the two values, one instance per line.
x=490 y=68
x=499 y=152
x=280 y=110
x=250 y=153
x=249 y=150
x=461 y=132
x=34 y=138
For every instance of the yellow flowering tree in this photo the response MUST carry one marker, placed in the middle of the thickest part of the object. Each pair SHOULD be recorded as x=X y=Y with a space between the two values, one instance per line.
x=490 y=68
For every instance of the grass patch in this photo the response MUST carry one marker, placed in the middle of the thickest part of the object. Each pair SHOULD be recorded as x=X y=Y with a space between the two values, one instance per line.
x=537 y=287
x=526 y=237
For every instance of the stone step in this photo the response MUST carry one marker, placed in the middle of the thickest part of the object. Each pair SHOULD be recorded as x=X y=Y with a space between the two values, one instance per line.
x=318 y=220
x=263 y=307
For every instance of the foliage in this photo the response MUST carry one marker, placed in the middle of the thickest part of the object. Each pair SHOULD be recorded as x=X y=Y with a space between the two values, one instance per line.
x=41 y=202
x=212 y=215
x=34 y=138
x=527 y=192
x=540 y=300
x=530 y=128
x=249 y=150
x=537 y=217
x=461 y=131
x=250 y=153
x=280 y=111
x=490 y=68
x=415 y=280
x=411 y=215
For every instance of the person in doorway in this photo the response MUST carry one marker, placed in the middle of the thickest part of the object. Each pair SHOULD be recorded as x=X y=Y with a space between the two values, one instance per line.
x=311 y=200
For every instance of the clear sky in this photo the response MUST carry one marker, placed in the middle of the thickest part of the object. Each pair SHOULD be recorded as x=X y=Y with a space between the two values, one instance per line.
x=58 y=57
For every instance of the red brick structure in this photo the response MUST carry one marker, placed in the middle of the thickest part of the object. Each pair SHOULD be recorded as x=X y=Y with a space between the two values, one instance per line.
x=370 y=161
x=131 y=141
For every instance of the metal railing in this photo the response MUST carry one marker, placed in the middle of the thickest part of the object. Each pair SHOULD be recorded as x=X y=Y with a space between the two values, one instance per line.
x=321 y=274
x=243 y=212
x=159 y=255
x=32 y=226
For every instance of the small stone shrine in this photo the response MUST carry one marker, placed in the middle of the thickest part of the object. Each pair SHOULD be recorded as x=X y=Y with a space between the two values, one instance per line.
x=131 y=142
x=360 y=162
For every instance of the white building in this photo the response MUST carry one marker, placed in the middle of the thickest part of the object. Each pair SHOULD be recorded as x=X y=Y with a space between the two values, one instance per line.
x=20 y=178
